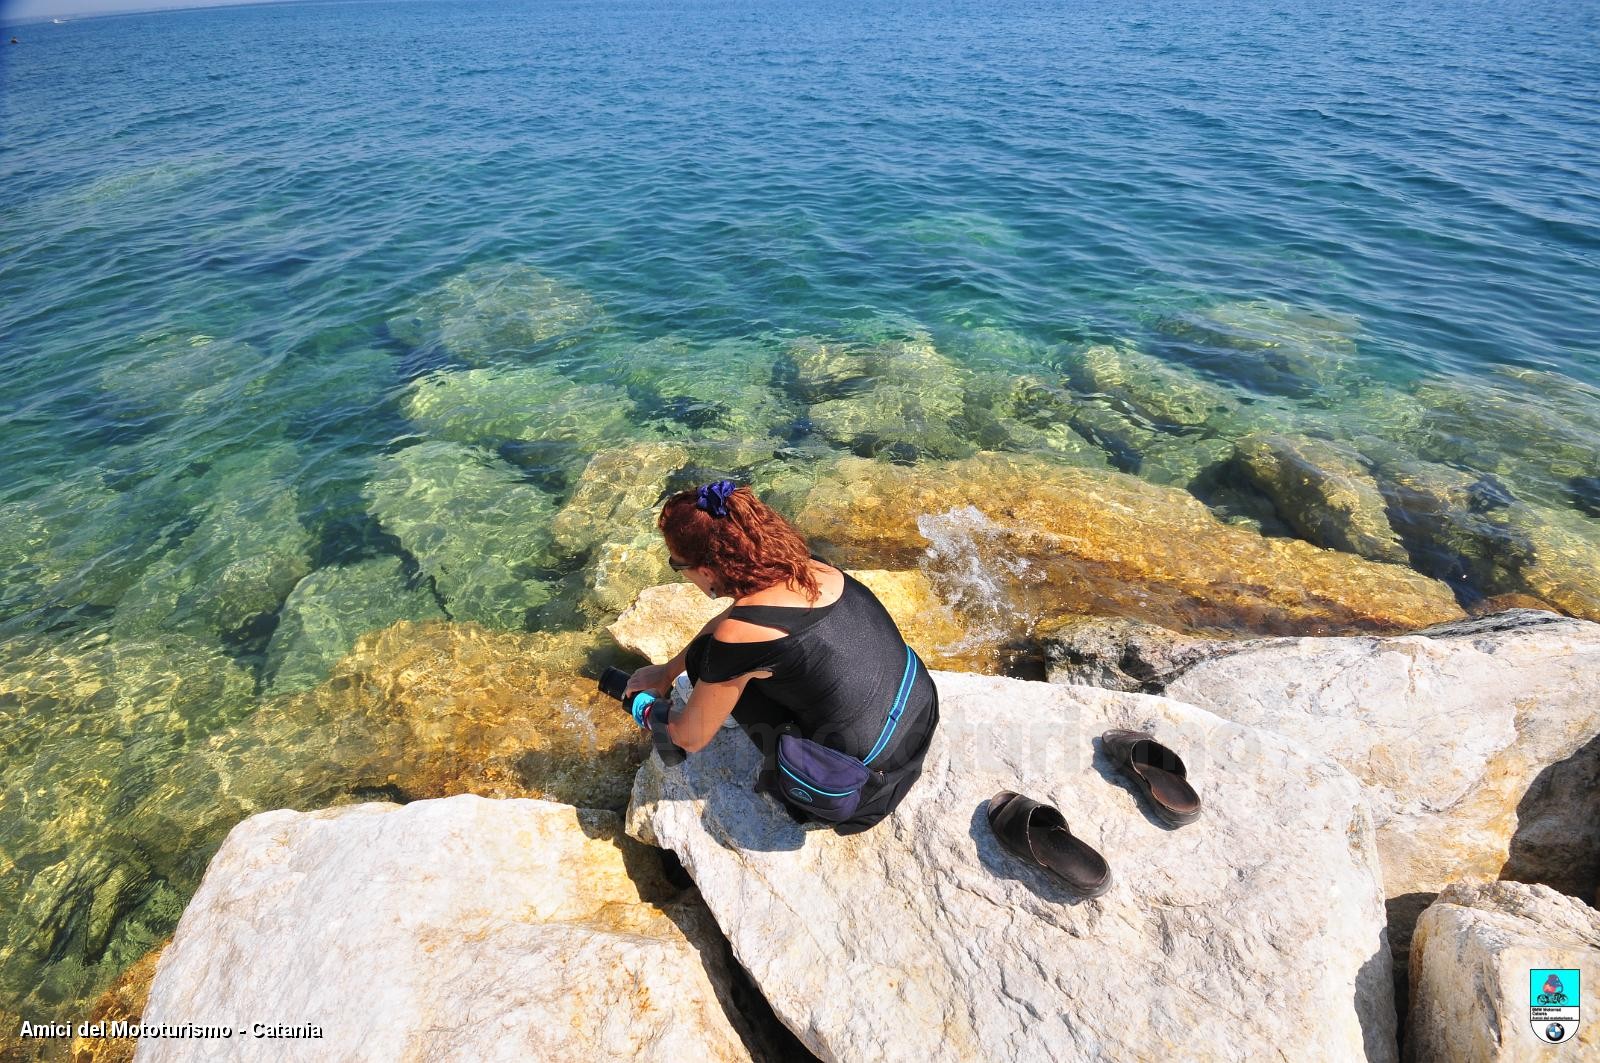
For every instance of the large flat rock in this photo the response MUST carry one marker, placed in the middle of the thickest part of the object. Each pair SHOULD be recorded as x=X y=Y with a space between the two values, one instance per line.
x=1478 y=742
x=454 y=929
x=922 y=939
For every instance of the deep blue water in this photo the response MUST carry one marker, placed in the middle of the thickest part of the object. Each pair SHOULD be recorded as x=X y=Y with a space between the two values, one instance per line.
x=1405 y=194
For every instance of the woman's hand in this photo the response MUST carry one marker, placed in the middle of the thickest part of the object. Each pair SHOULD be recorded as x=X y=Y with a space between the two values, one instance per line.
x=656 y=678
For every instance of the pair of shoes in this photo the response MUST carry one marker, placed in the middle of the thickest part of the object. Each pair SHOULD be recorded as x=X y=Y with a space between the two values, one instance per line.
x=1039 y=833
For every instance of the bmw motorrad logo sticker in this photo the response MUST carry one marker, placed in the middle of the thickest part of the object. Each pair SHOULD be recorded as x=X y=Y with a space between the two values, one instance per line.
x=1554 y=995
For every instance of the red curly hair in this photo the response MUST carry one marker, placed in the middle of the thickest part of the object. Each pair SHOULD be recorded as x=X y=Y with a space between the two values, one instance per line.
x=750 y=549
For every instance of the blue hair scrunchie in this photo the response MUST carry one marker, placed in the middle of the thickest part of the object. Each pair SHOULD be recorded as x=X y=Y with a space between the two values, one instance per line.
x=713 y=497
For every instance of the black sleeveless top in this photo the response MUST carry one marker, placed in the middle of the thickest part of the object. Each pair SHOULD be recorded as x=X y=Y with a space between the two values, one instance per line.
x=837 y=670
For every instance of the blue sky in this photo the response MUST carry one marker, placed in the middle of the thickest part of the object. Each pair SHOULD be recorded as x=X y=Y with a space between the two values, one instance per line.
x=14 y=11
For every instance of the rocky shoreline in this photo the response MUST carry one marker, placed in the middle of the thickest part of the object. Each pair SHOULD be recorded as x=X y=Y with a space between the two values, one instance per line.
x=395 y=678
x=1382 y=812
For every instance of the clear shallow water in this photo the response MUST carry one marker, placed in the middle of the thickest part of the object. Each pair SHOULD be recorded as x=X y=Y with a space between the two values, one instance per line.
x=234 y=240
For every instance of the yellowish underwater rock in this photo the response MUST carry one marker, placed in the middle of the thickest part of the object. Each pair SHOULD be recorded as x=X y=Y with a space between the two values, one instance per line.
x=617 y=495
x=1325 y=491
x=89 y=726
x=468 y=709
x=126 y=758
x=1104 y=543
x=1473 y=524
x=926 y=621
x=611 y=513
x=330 y=608
x=123 y=1002
x=618 y=571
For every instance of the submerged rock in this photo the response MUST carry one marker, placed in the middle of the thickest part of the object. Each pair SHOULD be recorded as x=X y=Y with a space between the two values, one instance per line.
x=611 y=514
x=1156 y=456
x=229 y=575
x=955 y=949
x=497 y=311
x=531 y=405
x=474 y=526
x=925 y=620
x=1029 y=413
x=446 y=708
x=332 y=607
x=1548 y=421
x=87 y=725
x=826 y=369
x=124 y=1002
x=720 y=391
x=1090 y=542
x=1585 y=492
x=1470 y=527
x=1159 y=393
x=79 y=541
x=1325 y=491
x=617 y=495
x=1474 y=953
x=618 y=571
x=184 y=373
x=110 y=816
x=500 y=929
x=899 y=397
x=963 y=230
x=1274 y=347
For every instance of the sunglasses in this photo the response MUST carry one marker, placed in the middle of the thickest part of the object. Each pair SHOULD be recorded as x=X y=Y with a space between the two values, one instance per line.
x=676 y=565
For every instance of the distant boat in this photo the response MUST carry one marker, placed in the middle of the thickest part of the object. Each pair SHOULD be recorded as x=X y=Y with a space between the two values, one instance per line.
x=61 y=21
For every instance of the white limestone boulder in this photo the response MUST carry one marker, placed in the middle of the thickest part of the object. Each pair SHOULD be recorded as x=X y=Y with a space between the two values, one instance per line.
x=1478 y=741
x=663 y=619
x=1471 y=960
x=1257 y=929
x=455 y=929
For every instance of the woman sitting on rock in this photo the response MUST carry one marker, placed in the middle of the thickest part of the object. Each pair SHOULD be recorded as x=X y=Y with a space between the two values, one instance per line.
x=807 y=660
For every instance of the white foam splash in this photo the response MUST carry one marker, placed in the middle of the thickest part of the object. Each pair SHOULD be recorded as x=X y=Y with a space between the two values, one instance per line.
x=970 y=566
x=578 y=721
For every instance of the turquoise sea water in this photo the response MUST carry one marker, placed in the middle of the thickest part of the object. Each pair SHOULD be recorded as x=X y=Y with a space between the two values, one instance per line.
x=327 y=303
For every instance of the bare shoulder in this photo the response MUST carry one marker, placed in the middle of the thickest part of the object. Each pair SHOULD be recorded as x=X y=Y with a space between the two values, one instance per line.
x=731 y=630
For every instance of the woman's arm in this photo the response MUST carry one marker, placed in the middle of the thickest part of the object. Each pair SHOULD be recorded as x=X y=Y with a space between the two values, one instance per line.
x=693 y=729
x=657 y=678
